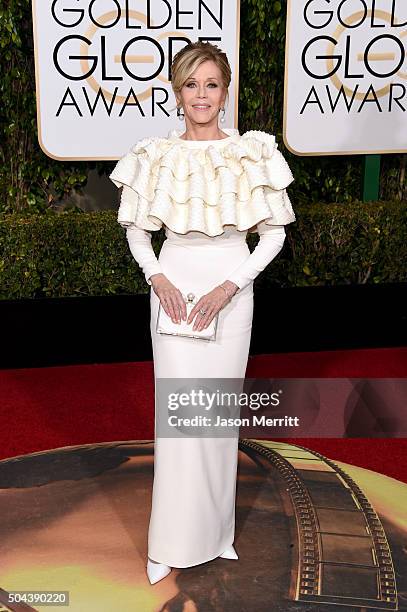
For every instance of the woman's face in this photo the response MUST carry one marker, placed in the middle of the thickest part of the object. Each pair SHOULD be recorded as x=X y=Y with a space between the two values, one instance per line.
x=203 y=87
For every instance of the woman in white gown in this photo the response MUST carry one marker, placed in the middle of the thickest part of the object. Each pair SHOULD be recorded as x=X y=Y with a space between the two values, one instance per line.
x=207 y=187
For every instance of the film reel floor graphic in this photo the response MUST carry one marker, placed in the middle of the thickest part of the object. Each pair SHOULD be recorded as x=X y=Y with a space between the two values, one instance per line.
x=307 y=535
x=342 y=551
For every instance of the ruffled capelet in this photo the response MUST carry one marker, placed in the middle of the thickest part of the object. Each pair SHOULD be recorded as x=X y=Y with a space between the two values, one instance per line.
x=203 y=188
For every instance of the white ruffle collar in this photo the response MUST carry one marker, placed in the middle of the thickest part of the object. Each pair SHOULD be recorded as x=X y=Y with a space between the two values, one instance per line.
x=233 y=134
x=204 y=185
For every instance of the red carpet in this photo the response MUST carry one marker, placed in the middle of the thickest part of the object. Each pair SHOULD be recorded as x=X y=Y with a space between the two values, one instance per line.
x=44 y=408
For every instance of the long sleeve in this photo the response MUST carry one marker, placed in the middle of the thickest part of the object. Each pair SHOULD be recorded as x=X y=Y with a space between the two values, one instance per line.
x=270 y=244
x=141 y=248
x=139 y=239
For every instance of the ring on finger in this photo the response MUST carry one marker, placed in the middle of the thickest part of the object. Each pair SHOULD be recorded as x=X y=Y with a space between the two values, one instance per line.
x=204 y=320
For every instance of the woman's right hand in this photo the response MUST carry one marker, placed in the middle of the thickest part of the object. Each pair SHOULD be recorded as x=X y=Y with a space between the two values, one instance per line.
x=170 y=297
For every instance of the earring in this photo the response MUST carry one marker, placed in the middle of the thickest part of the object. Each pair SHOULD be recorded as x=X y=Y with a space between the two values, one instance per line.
x=222 y=119
x=179 y=114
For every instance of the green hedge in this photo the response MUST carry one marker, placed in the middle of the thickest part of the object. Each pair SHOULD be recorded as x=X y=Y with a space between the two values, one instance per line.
x=76 y=253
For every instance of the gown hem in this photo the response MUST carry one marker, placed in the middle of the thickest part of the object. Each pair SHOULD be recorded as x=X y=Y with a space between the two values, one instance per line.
x=206 y=560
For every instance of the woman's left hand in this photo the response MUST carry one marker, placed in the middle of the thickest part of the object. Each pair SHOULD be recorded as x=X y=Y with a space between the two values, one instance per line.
x=212 y=303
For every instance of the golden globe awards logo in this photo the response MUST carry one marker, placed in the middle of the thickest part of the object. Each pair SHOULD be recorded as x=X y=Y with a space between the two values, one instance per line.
x=130 y=62
x=380 y=48
x=103 y=68
x=348 y=59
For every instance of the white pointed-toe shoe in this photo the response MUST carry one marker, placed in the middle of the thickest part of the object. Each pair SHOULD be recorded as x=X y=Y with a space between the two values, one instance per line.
x=229 y=553
x=157 y=571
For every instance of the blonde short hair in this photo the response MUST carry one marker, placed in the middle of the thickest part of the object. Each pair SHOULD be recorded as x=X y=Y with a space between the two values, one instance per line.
x=191 y=56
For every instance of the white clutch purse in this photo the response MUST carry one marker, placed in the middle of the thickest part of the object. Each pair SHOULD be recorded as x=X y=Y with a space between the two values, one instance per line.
x=165 y=324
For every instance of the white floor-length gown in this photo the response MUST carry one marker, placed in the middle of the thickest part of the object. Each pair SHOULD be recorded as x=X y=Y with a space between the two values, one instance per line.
x=207 y=195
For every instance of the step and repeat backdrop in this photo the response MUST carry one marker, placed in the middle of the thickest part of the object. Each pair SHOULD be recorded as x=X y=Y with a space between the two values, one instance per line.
x=103 y=72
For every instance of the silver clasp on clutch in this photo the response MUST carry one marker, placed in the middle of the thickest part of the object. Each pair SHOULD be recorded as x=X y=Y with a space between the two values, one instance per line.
x=190 y=298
